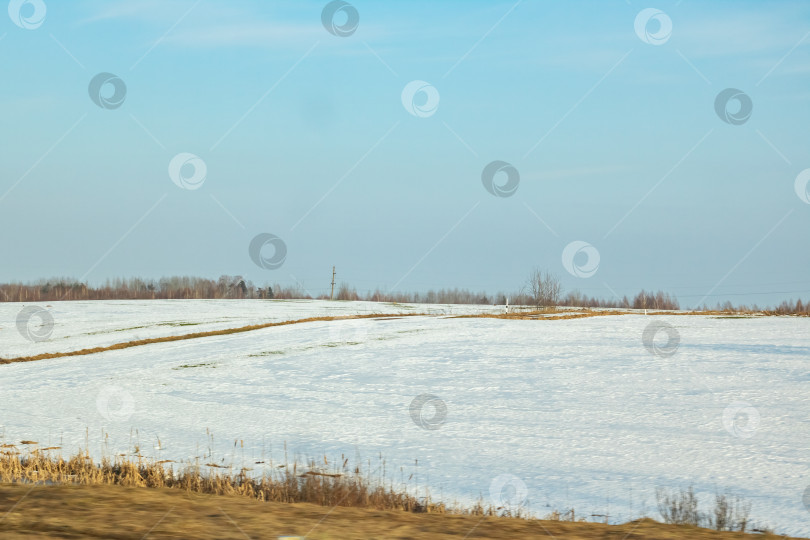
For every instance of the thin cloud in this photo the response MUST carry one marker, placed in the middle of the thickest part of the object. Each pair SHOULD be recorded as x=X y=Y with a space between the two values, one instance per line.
x=252 y=34
x=144 y=10
x=737 y=34
x=578 y=172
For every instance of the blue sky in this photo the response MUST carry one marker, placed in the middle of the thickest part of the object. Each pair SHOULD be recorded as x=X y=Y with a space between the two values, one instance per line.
x=304 y=135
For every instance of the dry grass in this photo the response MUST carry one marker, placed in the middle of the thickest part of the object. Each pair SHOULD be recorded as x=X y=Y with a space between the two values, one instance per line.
x=555 y=314
x=325 y=484
x=44 y=495
x=542 y=314
x=195 y=335
x=73 y=511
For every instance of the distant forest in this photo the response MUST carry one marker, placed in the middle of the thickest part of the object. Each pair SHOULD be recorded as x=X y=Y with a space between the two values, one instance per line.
x=235 y=287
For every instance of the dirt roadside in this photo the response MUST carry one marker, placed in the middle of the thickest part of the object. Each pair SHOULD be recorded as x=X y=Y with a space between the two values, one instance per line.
x=116 y=512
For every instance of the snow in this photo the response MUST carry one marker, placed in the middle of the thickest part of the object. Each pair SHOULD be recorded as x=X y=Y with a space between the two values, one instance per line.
x=576 y=412
x=83 y=325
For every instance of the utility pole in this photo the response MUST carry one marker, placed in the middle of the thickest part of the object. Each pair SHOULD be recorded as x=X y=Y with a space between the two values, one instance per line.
x=332 y=294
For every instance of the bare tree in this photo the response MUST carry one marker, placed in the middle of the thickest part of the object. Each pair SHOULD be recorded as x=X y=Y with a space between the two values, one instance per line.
x=346 y=292
x=544 y=288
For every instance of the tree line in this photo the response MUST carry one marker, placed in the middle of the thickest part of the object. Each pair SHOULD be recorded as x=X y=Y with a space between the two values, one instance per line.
x=542 y=290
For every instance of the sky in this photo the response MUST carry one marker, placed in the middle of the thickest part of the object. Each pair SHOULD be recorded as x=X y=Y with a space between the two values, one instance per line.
x=413 y=145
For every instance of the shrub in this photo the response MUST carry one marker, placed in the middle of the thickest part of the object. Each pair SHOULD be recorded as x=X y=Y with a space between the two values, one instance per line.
x=730 y=513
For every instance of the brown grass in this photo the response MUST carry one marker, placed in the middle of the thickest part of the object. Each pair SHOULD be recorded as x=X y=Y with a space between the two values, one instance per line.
x=74 y=511
x=544 y=314
x=325 y=484
x=558 y=314
x=195 y=335
x=44 y=495
x=359 y=508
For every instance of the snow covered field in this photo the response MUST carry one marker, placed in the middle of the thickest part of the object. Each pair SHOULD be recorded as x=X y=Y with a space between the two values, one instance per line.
x=570 y=413
x=83 y=325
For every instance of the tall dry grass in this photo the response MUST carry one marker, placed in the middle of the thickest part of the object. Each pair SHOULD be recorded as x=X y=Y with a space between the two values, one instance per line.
x=680 y=507
x=323 y=483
